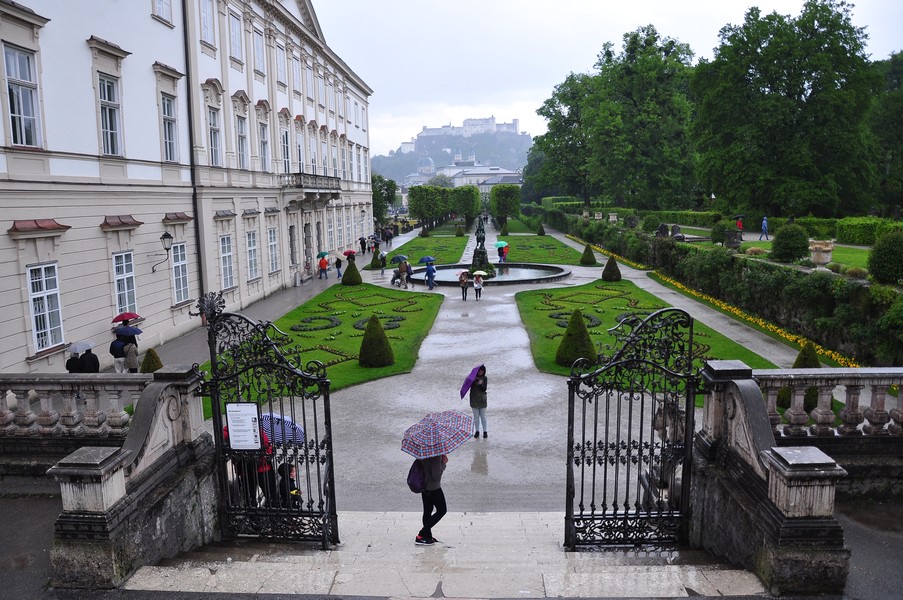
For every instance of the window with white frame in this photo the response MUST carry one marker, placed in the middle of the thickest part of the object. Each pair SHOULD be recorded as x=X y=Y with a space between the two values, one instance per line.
x=253 y=259
x=235 y=35
x=364 y=118
x=179 y=273
x=340 y=227
x=299 y=141
x=163 y=9
x=260 y=63
x=310 y=82
x=330 y=96
x=324 y=156
x=273 y=245
x=313 y=154
x=281 y=74
x=216 y=147
x=348 y=226
x=22 y=87
x=286 y=151
x=124 y=281
x=208 y=18
x=321 y=91
x=241 y=146
x=335 y=160
x=296 y=73
x=168 y=113
x=366 y=161
x=344 y=162
x=330 y=238
x=359 y=161
x=46 y=311
x=227 y=269
x=110 y=117
x=264 y=147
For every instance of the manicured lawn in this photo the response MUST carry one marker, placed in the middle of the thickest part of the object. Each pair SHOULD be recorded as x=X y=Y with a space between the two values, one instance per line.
x=545 y=313
x=448 y=228
x=850 y=256
x=447 y=249
x=515 y=226
x=330 y=326
x=542 y=249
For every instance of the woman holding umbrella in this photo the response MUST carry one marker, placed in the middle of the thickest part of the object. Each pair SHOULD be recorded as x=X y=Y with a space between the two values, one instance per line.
x=478 y=401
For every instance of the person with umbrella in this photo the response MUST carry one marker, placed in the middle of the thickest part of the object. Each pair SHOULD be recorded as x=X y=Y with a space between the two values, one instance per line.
x=338 y=267
x=478 y=284
x=117 y=349
x=74 y=365
x=89 y=362
x=430 y=441
x=131 y=353
x=463 y=281
x=430 y=275
x=478 y=401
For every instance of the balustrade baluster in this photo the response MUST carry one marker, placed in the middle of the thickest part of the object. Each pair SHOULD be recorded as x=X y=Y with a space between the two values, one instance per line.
x=796 y=415
x=25 y=417
x=876 y=416
x=118 y=419
x=771 y=406
x=71 y=416
x=851 y=413
x=48 y=419
x=7 y=427
x=94 y=418
x=823 y=414
x=896 y=414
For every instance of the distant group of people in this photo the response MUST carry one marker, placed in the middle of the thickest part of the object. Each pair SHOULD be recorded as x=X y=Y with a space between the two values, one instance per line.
x=86 y=363
x=254 y=473
x=503 y=254
x=464 y=282
x=123 y=348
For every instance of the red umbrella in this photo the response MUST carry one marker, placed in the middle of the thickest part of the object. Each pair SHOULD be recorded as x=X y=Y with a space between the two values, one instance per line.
x=126 y=316
x=349 y=252
x=468 y=381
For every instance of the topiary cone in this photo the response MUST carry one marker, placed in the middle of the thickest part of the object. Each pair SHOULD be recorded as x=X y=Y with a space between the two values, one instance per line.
x=375 y=349
x=611 y=272
x=541 y=230
x=351 y=276
x=588 y=258
x=151 y=362
x=576 y=343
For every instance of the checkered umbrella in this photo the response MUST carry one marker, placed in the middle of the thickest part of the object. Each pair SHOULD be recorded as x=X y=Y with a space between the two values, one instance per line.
x=437 y=434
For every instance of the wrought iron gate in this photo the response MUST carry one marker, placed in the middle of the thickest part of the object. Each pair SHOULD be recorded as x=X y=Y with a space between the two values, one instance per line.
x=630 y=425
x=271 y=420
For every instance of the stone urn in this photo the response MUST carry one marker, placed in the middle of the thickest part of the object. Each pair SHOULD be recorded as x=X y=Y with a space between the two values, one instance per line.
x=821 y=252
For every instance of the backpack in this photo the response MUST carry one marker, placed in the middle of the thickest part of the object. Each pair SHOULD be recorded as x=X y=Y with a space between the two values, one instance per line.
x=117 y=349
x=416 y=477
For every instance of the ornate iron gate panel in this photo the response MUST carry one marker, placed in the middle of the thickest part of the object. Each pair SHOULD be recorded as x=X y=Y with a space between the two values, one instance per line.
x=271 y=419
x=630 y=426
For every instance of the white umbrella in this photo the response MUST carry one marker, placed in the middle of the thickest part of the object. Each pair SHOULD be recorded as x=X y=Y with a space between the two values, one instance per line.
x=81 y=346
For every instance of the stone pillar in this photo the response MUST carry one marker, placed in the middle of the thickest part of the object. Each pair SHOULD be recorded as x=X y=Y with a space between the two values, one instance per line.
x=823 y=415
x=876 y=415
x=851 y=415
x=716 y=375
x=801 y=481
x=796 y=415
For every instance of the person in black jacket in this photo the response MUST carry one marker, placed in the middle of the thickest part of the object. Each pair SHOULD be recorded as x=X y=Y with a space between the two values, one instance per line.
x=74 y=365
x=433 y=498
x=89 y=362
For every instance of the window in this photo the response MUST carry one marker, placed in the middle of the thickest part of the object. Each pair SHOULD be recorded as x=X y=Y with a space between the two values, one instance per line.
x=310 y=81
x=313 y=155
x=330 y=240
x=260 y=63
x=359 y=161
x=180 y=273
x=216 y=159
x=363 y=118
x=124 y=278
x=253 y=263
x=324 y=155
x=264 y=147
x=286 y=152
x=339 y=227
x=241 y=132
x=273 y=243
x=225 y=261
x=296 y=73
x=348 y=226
x=280 y=65
x=299 y=141
x=235 y=34
x=46 y=313
x=321 y=91
x=168 y=109
x=344 y=163
x=22 y=86
x=163 y=9
x=292 y=244
x=208 y=16
x=109 y=115
x=335 y=161
x=330 y=96
x=357 y=114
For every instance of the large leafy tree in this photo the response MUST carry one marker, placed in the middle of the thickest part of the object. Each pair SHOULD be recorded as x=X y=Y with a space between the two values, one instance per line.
x=638 y=122
x=504 y=201
x=782 y=111
x=565 y=144
x=887 y=126
x=383 y=191
x=465 y=202
x=537 y=185
x=427 y=203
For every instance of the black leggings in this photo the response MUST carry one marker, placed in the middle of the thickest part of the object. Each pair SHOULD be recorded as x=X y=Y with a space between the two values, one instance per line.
x=432 y=499
x=464 y=292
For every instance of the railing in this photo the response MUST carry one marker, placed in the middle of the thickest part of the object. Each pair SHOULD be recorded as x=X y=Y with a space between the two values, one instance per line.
x=851 y=385
x=309 y=181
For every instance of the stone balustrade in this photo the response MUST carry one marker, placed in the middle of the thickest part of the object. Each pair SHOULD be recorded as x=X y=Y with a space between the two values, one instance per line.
x=848 y=386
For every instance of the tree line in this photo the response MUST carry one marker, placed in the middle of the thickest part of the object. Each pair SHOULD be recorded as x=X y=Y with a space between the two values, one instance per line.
x=789 y=118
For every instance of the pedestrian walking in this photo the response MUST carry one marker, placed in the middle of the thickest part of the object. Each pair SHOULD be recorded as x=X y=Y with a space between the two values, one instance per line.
x=324 y=264
x=409 y=273
x=363 y=242
x=477 y=286
x=338 y=267
x=117 y=349
x=430 y=276
x=502 y=254
x=382 y=265
x=433 y=498
x=740 y=227
x=505 y=252
x=463 y=282
x=131 y=354
x=764 y=228
x=478 y=402
x=89 y=362
x=74 y=365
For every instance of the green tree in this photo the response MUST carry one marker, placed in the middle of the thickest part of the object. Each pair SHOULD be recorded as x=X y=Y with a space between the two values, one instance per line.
x=576 y=342
x=504 y=201
x=427 y=203
x=151 y=362
x=375 y=348
x=537 y=179
x=638 y=122
x=886 y=122
x=782 y=109
x=588 y=257
x=441 y=180
x=465 y=202
x=383 y=191
x=565 y=143
x=611 y=272
x=885 y=261
x=351 y=276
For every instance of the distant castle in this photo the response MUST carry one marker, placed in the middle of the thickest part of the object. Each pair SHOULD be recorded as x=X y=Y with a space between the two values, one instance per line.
x=471 y=127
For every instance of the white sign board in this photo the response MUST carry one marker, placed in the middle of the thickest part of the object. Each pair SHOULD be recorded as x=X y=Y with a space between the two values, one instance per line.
x=243 y=421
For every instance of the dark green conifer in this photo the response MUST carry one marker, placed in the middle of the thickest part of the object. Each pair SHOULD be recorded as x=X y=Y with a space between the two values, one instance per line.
x=611 y=272
x=351 y=276
x=588 y=258
x=151 y=362
x=375 y=349
x=576 y=342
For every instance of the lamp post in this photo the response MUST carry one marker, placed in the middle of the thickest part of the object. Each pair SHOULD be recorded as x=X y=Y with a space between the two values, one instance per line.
x=166 y=240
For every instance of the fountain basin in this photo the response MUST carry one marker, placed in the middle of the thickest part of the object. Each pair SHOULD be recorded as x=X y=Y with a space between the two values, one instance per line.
x=505 y=274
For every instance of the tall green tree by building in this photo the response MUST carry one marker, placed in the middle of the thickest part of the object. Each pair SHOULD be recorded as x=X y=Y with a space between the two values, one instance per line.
x=384 y=191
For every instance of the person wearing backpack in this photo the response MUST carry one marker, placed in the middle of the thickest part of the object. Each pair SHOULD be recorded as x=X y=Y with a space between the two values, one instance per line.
x=117 y=349
x=433 y=498
x=130 y=351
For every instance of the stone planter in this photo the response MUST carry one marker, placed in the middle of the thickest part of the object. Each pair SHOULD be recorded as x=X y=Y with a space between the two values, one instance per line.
x=733 y=239
x=821 y=252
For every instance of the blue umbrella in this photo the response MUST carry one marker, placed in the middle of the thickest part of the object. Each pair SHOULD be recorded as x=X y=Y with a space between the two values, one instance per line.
x=127 y=330
x=427 y=259
x=282 y=429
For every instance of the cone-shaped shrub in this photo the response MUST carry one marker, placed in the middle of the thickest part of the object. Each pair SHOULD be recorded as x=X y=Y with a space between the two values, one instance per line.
x=375 y=348
x=459 y=231
x=151 y=362
x=351 y=276
x=611 y=272
x=576 y=343
x=588 y=258
x=504 y=230
x=424 y=232
x=374 y=260
x=541 y=230
x=806 y=359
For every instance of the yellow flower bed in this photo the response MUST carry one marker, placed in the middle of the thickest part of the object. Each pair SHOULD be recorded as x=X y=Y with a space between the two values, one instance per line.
x=618 y=257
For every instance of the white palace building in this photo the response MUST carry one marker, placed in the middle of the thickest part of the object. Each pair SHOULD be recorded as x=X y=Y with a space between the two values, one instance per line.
x=157 y=150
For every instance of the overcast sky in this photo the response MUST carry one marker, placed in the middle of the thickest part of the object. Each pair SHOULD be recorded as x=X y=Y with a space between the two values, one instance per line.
x=433 y=63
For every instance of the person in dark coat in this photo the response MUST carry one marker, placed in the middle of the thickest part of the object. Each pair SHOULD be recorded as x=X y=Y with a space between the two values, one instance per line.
x=74 y=365
x=433 y=498
x=289 y=494
x=89 y=362
x=338 y=267
x=478 y=401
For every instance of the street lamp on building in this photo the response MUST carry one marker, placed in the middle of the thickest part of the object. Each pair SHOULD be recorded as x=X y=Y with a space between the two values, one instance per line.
x=166 y=240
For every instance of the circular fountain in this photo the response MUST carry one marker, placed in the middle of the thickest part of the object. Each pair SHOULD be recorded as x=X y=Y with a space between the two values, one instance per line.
x=505 y=273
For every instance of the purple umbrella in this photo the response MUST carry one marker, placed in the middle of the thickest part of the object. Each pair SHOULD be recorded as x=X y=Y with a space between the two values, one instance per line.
x=468 y=381
x=437 y=434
